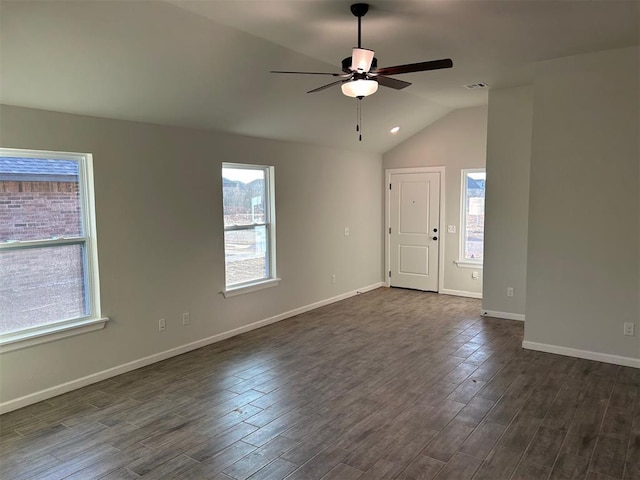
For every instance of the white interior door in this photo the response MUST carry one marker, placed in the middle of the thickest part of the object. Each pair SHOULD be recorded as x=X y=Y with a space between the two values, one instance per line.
x=414 y=230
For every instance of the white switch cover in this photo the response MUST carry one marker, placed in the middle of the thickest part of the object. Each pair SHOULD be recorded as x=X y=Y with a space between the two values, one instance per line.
x=451 y=228
x=346 y=231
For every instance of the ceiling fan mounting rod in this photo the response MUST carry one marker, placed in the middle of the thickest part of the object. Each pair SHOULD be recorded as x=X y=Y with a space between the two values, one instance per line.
x=360 y=10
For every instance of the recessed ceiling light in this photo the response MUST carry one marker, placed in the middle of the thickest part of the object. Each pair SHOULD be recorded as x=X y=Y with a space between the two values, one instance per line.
x=395 y=130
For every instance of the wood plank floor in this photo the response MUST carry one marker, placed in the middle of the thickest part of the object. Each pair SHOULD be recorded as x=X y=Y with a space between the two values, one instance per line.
x=389 y=384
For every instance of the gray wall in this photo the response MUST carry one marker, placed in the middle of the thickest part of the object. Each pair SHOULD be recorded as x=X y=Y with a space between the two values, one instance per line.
x=456 y=141
x=563 y=206
x=507 y=201
x=160 y=237
x=584 y=216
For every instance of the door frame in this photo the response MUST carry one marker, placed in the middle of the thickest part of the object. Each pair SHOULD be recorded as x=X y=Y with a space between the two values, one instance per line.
x=387 y=218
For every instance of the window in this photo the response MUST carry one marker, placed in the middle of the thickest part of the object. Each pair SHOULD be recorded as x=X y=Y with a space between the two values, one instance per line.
x=49 y=279
x=472 y=228
x=249 y=227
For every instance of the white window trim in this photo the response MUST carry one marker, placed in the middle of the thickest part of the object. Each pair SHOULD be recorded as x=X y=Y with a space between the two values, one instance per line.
x=469 y=264
x=251 y=287
x=464 y=262
x=65 y=328
x=48 y=333
x=273 y=280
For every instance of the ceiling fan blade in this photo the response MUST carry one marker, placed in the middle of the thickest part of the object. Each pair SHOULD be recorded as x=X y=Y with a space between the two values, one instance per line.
x=326 y=86
x=415 y=67
x=312 y=73
x=361 y=59
x=391 y=82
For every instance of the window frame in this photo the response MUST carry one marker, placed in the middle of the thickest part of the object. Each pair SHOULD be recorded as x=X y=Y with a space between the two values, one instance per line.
x=269 y=224
x=73 y=326
x=462 y=261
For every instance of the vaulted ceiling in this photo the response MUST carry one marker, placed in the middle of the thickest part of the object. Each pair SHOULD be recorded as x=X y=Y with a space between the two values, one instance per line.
x=205 y=64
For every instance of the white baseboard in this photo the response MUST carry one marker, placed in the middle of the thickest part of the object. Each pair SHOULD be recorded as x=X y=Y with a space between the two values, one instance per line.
x=460 y=293
x=503 y=315
x=574 y=352
x=157 y=357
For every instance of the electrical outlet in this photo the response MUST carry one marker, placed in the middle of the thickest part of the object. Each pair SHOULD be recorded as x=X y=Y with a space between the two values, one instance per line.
x=475 y=275
x=629 y=329
x=333 y=279
x=186 y=320
x=346 y=231
x=509 y=291
x=162 y=324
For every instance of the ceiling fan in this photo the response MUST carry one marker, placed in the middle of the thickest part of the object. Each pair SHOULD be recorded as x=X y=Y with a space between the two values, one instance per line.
x=360 y=74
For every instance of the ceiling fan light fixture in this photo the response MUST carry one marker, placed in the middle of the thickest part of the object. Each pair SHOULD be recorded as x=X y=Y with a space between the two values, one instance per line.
x=359 y=88
x=361 y=59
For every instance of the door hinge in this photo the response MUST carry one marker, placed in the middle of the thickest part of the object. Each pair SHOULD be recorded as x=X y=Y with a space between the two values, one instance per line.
x=389 y=230
x=389 y=273
x=389 y=186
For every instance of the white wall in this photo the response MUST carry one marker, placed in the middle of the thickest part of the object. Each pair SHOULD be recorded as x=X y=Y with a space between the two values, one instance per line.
x=507 y=201
x=456 y=141
x=160 y=237
x=584 y=216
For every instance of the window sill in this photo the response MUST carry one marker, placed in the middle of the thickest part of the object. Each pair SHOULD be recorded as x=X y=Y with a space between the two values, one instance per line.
x=466 y=264
x=253 y=287
x=23 y=339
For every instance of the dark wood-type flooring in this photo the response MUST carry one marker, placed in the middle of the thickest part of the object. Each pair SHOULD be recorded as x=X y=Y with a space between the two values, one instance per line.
x=388 y=384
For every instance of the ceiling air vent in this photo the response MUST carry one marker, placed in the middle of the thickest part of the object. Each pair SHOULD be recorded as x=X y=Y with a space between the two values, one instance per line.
x=473 y=86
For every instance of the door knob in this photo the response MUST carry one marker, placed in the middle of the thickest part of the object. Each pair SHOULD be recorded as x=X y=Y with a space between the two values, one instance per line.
x=435 y=238
x=435 y=230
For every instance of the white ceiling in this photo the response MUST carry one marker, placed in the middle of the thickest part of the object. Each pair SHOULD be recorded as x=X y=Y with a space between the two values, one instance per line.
x=206 y=63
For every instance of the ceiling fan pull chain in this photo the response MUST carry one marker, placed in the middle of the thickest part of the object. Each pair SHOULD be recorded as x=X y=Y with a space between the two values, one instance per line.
x=360 y=119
